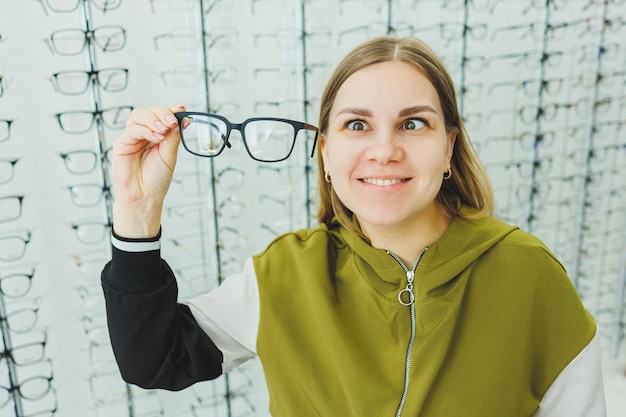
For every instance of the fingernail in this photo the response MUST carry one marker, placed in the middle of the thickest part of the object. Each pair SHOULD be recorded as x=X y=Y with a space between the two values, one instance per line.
x=158 y=135
x=160 y=126
x=170 y=119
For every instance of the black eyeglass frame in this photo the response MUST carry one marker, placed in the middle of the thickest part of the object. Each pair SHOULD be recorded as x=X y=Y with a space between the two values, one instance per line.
x=297 y=126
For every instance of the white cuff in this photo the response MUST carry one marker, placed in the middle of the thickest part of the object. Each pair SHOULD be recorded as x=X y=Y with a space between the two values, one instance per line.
x=135 y=246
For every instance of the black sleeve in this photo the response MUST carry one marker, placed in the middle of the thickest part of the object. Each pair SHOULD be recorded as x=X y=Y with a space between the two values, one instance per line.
x=156 y=341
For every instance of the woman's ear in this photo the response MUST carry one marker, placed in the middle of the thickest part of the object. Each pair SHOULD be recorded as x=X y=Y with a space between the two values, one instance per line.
x=451 y=137
x=323 y=150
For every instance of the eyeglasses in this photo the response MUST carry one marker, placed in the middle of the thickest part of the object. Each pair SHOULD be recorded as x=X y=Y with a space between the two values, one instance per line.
x=81 y=161
x=29 y=349
x=266 y=139
x=188 y=5
x=67 y=6
x=5 y=129
x=2 y=85
x=11 y=207
x=7 y=169
x=32 y=388
x=16 y=284
x=89 y=195
x=82 y=121
x=93 y=301
x=74 y=82
x=292 y=38
x=90 y=232
x=90 y=264
x=13 y=246
x=450 y=31
x=22 y=320
x=142 y=404
x=188 y=76
x=186 y=39
x=97 y=333
x=73 y=41
x=532 y=88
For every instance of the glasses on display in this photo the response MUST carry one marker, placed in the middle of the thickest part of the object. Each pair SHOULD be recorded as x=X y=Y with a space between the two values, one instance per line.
x=81 y=161
x=189 y=76
x=532 y=87
x=75 y=82
x=67 y=6
x=31 y=388
x=79 y=121
x=2 y=85
x=110 y=38
x=477 y=5
x=27 y=352
x=5 y=129
x=89 y=195
x=266 y=139
x=186 y=39
x=91 y=231
x=144 y=404
x=22 y=320
x=532 y=5
x=7 y=169
x=16 y=284
x=90 y=264
x=189 y=5
x=96 y=331
x=13 y=245
x=292 y=38
x=11 y=207
x=531 y=60
x=451 y=31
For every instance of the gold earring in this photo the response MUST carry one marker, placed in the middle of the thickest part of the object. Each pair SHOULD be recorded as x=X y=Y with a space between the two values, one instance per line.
x=447 y=175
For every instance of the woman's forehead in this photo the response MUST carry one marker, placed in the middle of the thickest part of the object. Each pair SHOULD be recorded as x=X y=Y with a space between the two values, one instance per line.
x=392 y=84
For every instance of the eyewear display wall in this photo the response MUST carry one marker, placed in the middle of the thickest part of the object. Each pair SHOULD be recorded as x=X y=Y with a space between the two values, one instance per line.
x=542 y=89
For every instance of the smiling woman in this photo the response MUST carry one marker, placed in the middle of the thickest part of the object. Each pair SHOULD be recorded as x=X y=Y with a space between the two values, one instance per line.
x=406 y=267
x=387 y=158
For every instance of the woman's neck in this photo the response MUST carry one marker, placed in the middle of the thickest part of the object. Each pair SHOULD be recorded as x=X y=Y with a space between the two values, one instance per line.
x=407 y=241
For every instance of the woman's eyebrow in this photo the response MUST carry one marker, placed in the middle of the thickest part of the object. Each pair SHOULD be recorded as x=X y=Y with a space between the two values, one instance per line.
x=405 y=112
x=416 y=109
x=355 y=110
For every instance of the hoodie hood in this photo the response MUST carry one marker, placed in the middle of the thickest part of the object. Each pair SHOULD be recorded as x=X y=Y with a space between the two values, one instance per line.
x=464 y=242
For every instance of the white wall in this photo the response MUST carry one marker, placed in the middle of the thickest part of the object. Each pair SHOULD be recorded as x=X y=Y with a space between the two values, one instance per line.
x=577 y=208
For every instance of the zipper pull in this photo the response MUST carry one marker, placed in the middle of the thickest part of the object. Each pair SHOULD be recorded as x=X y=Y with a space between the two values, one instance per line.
x=408 y=290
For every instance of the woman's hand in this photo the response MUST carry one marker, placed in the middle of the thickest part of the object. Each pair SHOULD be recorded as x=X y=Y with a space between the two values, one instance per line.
x=143 y=161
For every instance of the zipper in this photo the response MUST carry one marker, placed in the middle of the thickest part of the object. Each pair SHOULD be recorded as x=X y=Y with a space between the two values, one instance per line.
x=406 y=297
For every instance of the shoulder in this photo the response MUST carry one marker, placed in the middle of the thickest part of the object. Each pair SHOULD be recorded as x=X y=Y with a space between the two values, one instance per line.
x=522 y=247
x=303 y=240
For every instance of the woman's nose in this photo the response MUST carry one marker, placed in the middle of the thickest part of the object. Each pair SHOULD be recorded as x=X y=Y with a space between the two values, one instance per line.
x=385 y=147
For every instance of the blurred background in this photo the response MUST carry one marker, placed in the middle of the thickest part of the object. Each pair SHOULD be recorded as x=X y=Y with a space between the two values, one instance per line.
x=542 y=88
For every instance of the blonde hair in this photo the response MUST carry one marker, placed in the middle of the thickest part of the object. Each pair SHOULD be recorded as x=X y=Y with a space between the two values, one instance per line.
x=469 y=185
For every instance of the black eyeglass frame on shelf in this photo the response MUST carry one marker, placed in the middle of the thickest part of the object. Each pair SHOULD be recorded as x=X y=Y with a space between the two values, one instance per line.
x=297 y=126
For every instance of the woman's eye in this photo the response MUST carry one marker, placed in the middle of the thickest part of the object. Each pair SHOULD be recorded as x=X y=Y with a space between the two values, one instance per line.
x=356 y=125
x=413 y=124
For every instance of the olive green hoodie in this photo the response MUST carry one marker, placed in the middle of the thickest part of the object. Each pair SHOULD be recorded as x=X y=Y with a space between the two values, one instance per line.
x=496 y=320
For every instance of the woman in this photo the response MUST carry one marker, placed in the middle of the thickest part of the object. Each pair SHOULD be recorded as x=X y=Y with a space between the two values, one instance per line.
x=408 y=299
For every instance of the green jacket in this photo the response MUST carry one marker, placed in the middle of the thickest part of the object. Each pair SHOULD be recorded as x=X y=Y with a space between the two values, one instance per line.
x=497 y=320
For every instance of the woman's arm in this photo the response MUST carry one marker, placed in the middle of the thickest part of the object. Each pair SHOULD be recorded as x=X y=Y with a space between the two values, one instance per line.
x=156 y=341
x=578 y=391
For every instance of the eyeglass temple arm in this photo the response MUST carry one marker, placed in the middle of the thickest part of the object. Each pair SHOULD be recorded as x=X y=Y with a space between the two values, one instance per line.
x=311 y=127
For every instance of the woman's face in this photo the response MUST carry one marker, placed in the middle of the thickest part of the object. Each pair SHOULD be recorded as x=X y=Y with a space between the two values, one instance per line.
x=386 y=149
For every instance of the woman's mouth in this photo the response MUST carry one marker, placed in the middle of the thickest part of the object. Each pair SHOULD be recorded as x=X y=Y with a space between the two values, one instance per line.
x=379 y=182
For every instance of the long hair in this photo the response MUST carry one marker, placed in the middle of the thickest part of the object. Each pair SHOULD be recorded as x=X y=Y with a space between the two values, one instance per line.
x=469 y=185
